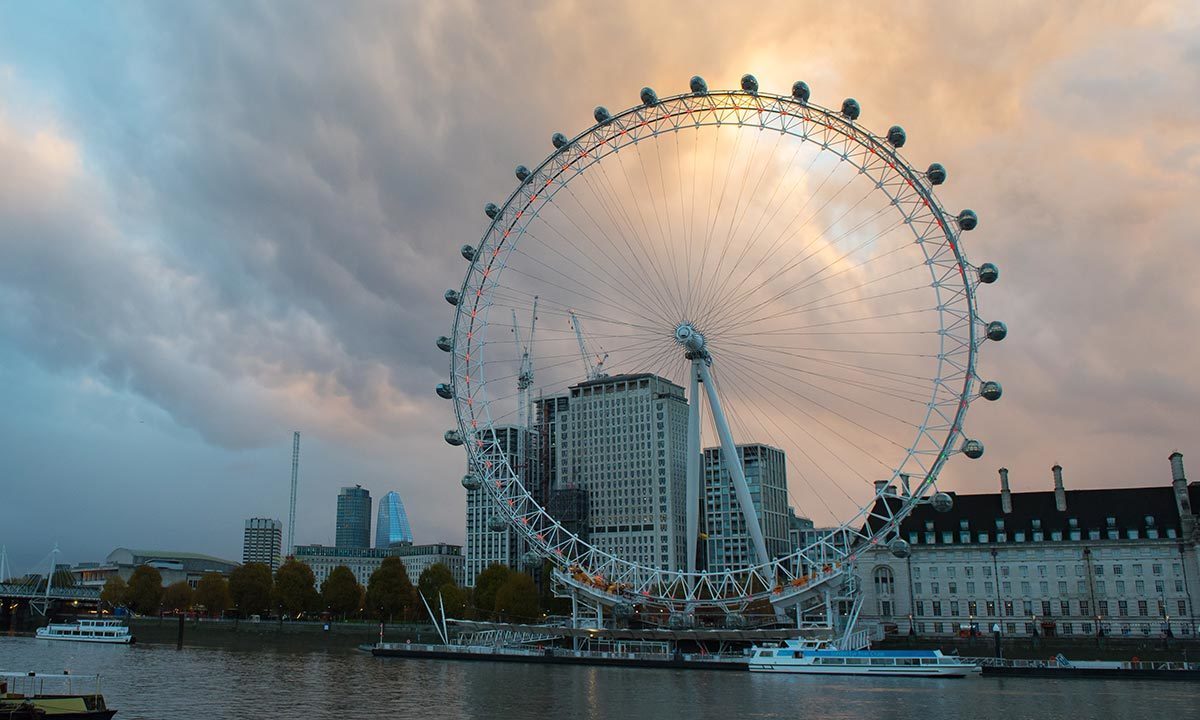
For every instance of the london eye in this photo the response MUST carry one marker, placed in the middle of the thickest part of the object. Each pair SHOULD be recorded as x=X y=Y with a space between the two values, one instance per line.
x=794 y=282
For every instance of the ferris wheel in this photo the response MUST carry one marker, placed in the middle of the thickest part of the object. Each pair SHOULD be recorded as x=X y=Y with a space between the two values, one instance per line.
x=795 y=285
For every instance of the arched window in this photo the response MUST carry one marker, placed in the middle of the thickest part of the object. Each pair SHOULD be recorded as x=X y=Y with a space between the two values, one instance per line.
x=885 y=582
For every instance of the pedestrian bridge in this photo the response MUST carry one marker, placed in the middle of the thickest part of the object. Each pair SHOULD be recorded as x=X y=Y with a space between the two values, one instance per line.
x=26 y=591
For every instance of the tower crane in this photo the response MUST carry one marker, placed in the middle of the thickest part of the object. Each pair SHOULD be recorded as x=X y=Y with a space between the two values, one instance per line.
x=593 y=363
x=525 y=373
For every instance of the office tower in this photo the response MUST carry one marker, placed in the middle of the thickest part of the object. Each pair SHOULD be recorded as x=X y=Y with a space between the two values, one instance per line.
x=729 y=545
x=353 y=518
x=391 y=525
x=261 y=541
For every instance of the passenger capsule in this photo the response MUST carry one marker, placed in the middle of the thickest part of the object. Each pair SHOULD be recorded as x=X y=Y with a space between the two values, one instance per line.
x=972 y=449
x=559 y=141
x=451 y=297
x=445 y=344
x=997 y=330
x=967 y=219
x=936 y=174
x=699 y=87
x=522 y=173
x=497 y=524
x=942 y=502
x=851 y=109
x=445 y=391
x=900 y=548
x=601 y=114
x=453 y=437
x=491 y=210
x=896 y=136
x=801 y=91
x=749 y=83
x=471 y=481
x=468 y=252
x=649 y=97
x=991 y=390
x=531 y=560
x=988 y=273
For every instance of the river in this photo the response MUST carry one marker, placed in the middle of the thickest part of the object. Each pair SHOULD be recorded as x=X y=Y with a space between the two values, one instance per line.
x=161 y=683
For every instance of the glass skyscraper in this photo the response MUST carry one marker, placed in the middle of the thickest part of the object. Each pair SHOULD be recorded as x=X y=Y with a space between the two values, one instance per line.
x=391 y=525
x=353 y=518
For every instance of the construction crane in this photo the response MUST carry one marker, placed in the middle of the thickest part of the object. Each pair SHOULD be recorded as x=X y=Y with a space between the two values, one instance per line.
x=291 y=538
x=593 y=363
x=525 y=374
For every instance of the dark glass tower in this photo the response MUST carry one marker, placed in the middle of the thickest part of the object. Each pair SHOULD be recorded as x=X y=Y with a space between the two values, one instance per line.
x=353 y=518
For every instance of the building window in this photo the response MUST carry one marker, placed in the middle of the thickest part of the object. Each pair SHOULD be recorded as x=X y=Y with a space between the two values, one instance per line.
x=885 y=582
x=991 y=607
x=1083 y=607
x=937 y=608
x=1123 y=608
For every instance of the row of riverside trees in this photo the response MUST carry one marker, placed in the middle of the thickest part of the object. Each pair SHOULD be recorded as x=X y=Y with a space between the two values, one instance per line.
x=499 y=593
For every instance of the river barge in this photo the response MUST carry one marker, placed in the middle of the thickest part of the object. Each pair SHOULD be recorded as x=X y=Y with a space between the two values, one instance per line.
x=43 y=696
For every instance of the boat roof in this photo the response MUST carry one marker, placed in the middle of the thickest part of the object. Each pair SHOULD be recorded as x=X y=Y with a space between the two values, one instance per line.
x=879 y=653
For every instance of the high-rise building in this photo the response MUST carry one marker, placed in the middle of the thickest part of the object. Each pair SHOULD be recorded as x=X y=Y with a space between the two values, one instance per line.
x=729 y=545
x=261 y=542
x=353 y=518
x=489 y=537
x=391 y=525
x=622 y=440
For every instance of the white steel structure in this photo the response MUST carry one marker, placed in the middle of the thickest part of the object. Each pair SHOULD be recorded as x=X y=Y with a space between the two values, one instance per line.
x=776 y=253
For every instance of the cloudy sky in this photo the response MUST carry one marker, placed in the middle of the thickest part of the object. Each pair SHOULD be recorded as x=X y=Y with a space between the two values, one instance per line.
x=222 y=222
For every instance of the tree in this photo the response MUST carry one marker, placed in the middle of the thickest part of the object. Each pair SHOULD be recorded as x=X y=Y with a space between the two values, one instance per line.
x=250 y=587
x=431 y=582
x=517 y=598
x=456 y=599
x=213 y=593
x=145 y=590
x=177 y=596
x=115 y=591
x=486 y=585
x=341 y=592
x=296 y=588
x=389 y=591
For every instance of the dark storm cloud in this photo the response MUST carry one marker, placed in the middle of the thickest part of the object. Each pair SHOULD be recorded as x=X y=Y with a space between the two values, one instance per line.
x=246 y=213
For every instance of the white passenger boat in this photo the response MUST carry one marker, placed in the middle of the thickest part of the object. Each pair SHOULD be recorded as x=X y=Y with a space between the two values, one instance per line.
x=96 y=631
x=802 y=657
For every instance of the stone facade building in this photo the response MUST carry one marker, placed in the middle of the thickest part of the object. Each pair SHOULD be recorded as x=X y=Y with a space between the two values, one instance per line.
x=1117 y=562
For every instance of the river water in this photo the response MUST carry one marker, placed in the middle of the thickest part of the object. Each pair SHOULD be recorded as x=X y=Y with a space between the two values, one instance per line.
x=159 y=682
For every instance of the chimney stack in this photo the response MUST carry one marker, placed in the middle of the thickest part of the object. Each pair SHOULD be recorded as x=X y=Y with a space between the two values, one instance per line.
x=1005 y=494
x=1060 y=493
x=879 y=487
x=1187 y=520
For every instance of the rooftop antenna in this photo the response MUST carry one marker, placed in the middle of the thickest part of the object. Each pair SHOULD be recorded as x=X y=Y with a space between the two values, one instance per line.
x=291 y=539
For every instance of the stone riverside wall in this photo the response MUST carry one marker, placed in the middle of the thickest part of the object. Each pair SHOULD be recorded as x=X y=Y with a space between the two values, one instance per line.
x=244 y=633
x=1046 y=648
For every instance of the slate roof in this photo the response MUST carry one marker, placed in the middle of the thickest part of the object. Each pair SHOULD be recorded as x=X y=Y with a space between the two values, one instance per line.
x=1090 y=509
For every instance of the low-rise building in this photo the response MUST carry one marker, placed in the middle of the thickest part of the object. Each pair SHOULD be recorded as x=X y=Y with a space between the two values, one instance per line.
x=174 y=566
x=322 y=559
x=1119 y=562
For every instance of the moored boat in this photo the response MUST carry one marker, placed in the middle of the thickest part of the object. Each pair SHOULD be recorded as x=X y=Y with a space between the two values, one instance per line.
x=97 y=631
x=819 y=658
x=38 y=696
